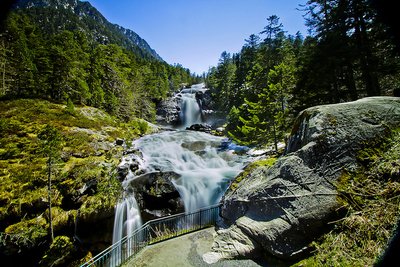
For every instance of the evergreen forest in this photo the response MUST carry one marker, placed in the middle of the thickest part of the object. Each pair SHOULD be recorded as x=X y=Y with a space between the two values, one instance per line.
x=349 y=54
x=61 y=60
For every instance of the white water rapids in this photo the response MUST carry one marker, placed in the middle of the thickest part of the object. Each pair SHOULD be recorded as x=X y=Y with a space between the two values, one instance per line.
x=204 y=171
x=204 y=168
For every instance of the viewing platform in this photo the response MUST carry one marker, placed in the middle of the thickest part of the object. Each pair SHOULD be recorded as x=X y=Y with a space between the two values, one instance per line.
x=186 y=250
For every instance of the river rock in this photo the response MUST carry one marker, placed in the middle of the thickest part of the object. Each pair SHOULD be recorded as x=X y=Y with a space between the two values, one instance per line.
x=156 y=195
x=201 y=127
x=279 y=210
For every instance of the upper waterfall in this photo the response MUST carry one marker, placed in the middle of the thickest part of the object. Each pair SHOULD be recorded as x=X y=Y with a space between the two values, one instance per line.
x=190 y=107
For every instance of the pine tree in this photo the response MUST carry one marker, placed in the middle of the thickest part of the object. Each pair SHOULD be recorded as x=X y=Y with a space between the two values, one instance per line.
x=51 y=142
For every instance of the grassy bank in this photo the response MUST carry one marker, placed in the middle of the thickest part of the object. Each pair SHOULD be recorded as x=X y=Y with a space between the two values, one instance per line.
x=85 y=186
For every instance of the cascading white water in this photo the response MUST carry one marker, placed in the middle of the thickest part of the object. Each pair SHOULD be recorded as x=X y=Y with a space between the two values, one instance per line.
x=127 y=218
x=204 y=170
x=127 y=214
x=190 y=111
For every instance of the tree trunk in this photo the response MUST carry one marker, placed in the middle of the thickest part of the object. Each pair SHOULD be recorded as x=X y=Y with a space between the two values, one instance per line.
x=368 y=65
x=275 y=138
x=3 y=92
x=49 y=194
x=351 y=84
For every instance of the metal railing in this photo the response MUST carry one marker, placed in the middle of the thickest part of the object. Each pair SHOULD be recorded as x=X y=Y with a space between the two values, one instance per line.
x=152 y=232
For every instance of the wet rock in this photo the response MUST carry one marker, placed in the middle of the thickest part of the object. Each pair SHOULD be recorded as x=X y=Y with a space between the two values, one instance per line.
x=122 y=171
x=156 y=194
x=194 y=146
x=119 y=142
x=131 y=162
x=89 y=188
x=201 y=127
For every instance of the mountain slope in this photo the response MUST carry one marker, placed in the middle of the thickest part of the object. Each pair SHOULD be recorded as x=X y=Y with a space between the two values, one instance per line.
x=76 y=15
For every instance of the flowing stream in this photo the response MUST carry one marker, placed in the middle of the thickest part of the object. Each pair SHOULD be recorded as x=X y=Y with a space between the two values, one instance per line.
x=203 y=165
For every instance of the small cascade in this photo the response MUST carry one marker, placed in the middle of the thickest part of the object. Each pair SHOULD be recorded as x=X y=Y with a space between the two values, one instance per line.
x=127 y=213
x=190 y=110
x=127 y=218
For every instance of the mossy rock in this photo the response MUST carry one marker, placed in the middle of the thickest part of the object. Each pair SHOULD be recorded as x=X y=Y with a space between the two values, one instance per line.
x=268 y=162
x=97 y=208
x=60 y=252
x=62 y=219
x=25 y=235
x=89 y=154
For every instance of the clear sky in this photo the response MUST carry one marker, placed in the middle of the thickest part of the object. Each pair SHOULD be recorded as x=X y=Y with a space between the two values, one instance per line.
x=194 y=33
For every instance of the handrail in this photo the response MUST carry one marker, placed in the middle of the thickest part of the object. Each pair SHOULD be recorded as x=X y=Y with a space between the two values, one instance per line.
x=154 y=231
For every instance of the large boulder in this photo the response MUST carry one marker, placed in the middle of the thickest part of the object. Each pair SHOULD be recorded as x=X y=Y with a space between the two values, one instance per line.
x=279 y=210
x=156 y=195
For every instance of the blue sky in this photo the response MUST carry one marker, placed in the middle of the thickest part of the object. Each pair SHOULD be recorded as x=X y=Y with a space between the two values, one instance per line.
x=194 y=33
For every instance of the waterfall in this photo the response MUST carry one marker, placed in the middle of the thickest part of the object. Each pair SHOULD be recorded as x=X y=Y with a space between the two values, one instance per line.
x=190 y=109
x=127 y=213
x=127 y=218
x=203 y=169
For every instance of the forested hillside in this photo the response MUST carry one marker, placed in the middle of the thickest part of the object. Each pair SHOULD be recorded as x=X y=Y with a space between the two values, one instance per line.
x=67 y=51
x=349 y=54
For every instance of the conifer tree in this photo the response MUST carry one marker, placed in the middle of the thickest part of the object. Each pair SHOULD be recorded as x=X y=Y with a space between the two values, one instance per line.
x=51 y=143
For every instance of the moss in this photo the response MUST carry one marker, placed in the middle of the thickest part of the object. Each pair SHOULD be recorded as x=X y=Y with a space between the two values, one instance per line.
x=249 y=168
x=97 y=207
x=59 y=252
x=88 y=154
x=63 y=219
x=27 y=233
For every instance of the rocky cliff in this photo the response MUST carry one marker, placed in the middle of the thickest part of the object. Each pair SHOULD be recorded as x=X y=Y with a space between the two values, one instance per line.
x=279 y=210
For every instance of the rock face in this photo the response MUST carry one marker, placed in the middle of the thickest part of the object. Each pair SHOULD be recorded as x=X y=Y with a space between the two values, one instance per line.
x=279 y=210
x=168 y=111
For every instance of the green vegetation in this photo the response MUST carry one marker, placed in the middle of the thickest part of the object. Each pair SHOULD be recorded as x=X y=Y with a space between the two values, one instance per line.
x=60 y=250
x=371 y=199
x=87 y=159
x=348 y=55
x=268 y=162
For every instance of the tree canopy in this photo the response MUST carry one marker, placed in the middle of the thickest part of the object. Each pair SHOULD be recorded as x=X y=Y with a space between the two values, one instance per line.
x=348 y=55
